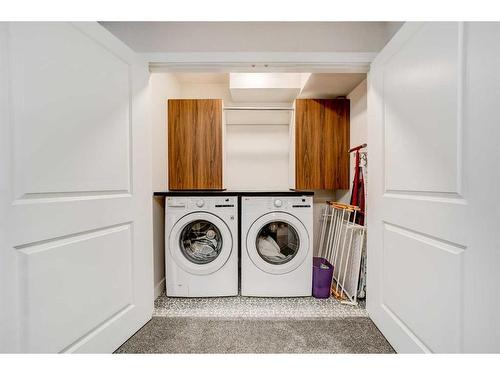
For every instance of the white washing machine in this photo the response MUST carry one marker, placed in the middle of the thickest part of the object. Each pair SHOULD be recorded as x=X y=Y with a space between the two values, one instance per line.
x=276 y=246
x=201 y=241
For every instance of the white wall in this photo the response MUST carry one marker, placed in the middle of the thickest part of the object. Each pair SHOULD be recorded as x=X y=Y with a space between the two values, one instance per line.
x=358 y=131
x=257 y=151
x=162 y=87
x=192 y=90
x=392 y=28
x=320 y=198
x=257 y=157
x=253 y=36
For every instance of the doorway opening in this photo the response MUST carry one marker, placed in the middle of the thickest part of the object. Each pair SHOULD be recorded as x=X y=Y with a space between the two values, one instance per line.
x=259 y=153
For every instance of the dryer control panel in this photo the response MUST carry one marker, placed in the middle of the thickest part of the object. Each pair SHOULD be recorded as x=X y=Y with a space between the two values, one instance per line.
x=279 y=203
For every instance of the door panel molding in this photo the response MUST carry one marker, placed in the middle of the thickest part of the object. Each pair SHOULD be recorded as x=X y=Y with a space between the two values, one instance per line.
x=407 y=330
x=67 y=282
x=421 y=86
x=81 y=104
x=81 y=341
x=47 y=244
x=34 y=198
x=422 y=274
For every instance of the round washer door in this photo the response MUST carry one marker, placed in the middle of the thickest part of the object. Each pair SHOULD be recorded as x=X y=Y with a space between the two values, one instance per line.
x=200 y=243
x=277 y=243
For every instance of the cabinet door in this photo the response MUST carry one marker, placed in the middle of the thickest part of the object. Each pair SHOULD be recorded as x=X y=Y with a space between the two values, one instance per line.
x=194 y=144
x=322 y=143
x=337 y=113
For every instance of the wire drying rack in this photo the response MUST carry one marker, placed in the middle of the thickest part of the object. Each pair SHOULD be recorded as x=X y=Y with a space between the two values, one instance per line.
x=341 y=243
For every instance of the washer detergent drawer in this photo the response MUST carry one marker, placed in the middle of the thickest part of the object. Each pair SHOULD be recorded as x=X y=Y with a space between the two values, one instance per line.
x=176 y=203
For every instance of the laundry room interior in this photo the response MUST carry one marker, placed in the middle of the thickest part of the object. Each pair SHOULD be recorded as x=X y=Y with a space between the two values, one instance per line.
x=249 y=187
x=258 y=141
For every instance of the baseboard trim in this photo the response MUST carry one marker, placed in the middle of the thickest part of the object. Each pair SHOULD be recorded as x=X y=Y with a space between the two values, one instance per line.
x=159 y=288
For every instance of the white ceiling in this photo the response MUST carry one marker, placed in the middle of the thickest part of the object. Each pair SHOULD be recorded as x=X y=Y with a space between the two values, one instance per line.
x=207 y=78
x=168 y=37
x=330 y=85
x=318 y=86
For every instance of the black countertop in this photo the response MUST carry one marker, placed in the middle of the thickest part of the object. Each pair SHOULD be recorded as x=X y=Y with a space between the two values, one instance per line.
x=248 y=193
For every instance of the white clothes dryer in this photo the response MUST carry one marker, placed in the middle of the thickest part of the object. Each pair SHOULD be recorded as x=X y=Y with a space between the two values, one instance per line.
x=276 y=246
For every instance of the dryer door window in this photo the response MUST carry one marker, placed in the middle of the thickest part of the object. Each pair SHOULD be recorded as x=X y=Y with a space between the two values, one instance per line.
x=277 y=242
x=200 y=241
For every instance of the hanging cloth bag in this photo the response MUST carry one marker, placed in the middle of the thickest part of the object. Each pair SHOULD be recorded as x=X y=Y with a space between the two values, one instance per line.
x=358 y=190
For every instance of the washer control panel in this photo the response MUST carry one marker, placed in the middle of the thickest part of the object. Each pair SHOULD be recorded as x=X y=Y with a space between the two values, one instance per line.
x=201 y=203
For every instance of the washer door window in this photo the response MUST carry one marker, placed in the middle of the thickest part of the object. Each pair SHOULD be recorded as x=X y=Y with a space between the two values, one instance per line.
x=200 y=243
x=277 y=243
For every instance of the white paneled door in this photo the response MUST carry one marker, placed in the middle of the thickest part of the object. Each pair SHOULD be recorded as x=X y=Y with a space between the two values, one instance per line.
x=76 y=252
x=433 y=244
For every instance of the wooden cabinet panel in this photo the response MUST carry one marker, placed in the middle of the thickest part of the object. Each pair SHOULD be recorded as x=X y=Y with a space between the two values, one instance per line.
x=194 y=144
x=322 y=144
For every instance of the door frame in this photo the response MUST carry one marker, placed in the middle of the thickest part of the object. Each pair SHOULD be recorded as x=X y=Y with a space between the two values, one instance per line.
x=310 y=62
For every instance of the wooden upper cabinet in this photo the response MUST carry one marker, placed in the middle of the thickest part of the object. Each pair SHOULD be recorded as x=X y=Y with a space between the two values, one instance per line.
x=194 y=144
x=322 y=144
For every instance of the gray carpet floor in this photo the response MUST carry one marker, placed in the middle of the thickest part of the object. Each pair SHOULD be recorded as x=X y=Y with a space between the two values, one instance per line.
x=223 y=335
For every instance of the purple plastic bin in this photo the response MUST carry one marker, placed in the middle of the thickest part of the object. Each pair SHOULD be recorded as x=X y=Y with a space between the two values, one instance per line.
x=322 y=278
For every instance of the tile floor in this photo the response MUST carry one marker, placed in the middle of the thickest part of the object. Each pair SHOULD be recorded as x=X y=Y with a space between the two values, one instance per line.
x=253 y=307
